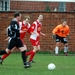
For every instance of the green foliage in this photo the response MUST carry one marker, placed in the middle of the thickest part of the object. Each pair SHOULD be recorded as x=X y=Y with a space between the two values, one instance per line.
x=13 y=65
x=47 y=9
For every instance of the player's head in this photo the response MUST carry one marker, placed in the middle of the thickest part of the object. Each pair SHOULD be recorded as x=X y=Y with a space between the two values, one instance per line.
x=40 y=17
x=27 y=19
x=17 y=15
x=64 y=22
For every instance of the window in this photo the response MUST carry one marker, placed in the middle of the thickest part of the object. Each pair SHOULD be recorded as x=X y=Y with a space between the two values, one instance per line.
x=62 y=7
x=4 y=5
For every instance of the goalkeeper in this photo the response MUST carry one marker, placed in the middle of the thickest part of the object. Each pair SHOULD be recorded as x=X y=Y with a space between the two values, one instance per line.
x=60 y=34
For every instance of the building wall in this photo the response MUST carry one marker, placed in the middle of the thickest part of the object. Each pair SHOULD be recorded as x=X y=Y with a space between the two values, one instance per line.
x=51 y=19
x=38 y=6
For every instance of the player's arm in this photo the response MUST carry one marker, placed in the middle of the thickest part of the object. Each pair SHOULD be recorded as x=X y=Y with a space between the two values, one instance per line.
x=55 y=30
x=42 y=33
x=7 y=39
x=68 y=31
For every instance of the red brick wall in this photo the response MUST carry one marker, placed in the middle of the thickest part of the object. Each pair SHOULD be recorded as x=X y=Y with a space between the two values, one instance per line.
x=49 y=22
x=38 y=6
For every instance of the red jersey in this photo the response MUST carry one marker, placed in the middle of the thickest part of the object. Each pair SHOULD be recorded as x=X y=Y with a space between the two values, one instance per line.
x=25 y=28
x=35 y=27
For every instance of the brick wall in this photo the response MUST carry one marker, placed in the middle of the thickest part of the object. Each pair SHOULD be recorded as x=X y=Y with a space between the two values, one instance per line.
x=50 y=21
x=38 y=6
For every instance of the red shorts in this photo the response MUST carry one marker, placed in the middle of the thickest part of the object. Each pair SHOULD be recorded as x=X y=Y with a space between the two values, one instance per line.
x=35 y=42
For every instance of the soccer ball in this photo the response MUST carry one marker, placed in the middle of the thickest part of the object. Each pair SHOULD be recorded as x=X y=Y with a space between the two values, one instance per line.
x=51 y=66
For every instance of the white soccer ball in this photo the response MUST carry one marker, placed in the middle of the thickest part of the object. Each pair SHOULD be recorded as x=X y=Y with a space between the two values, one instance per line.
x=51 y=66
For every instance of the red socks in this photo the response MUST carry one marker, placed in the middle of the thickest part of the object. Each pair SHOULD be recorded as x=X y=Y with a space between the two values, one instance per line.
x=5 y=55
x=32 y=56
x=31 y=53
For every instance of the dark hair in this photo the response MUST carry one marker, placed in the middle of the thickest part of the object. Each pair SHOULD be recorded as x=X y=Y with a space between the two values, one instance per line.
x=39 y=15
x=63 y=20
x=16 y=14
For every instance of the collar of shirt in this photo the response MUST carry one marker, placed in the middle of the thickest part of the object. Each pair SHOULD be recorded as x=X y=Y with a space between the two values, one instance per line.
x=39 y=22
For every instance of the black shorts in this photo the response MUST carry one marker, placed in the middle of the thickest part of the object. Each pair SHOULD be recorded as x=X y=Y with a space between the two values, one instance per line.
x=15 y=43
x=61 y=39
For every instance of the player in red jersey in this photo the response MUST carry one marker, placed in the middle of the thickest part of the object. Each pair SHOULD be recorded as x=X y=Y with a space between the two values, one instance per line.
x=24 y=28
x=35 y=30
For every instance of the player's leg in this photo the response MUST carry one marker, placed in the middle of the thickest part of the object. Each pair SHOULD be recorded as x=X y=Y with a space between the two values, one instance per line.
x=25 y=47
x=29 y=53
x=23 y=51
x=24 y=58
x=6 y=55
x=64 y=40
x=57 y=48
x=10 y=47
x=35 y=44
x=3 y=52
x=66 y=50
x=36 y=48
x=33 y=52
x=57 y=44
x=3 y=57
x=6 y=52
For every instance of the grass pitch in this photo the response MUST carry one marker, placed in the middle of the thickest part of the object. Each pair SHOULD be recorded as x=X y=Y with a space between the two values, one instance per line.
x=12 y=65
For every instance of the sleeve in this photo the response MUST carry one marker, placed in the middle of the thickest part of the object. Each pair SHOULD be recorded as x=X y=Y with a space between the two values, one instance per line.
x=32 y=28
x=8 y=31
x=55 y=30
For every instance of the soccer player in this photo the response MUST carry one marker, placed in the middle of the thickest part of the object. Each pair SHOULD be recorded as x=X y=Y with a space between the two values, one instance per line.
x=35 y=31
x=24 y=28
x=60 y=34
x=15 y=40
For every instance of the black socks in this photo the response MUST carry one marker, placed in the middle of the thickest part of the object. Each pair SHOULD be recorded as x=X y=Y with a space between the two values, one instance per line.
x=3 y=52
x=24 y=57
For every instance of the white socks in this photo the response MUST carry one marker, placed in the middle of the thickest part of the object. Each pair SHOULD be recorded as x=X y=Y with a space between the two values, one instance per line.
x=56 y=49
x=65 y=49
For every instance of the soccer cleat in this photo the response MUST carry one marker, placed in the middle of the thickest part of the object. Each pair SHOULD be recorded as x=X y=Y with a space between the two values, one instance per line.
x=32 y=61
x=27 y=65
x=66 y=53
x=1 y=61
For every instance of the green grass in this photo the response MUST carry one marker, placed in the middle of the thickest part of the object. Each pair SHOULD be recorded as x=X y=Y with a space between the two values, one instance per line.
x=65 y=65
